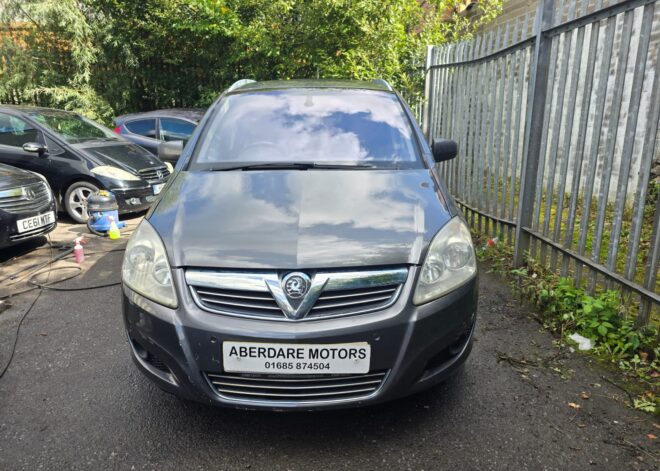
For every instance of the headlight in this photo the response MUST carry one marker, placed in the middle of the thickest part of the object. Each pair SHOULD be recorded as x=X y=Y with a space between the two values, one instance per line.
x=40 y=176
x=449 y=263
x=114 y=173
x=169 y=167
x=146 y=269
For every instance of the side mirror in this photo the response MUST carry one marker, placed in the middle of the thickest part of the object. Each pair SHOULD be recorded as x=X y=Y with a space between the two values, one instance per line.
x=35 y=148
x=170 y=151
x=444 y=149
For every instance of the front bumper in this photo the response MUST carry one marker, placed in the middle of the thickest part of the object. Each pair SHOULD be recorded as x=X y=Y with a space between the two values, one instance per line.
x=413 y=347
x=133 y=200
x=9 y=234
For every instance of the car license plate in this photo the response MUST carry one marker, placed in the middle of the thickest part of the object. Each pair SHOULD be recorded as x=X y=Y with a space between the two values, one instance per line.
x=295 y=358
x=35 y=222
x=158 y=187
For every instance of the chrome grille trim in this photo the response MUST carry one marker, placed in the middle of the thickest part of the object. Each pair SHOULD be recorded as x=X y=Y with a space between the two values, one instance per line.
x=151 y=174
x=341 y=296
x=299 y=389
x=234 y=303
x=342 y=293
x=26 y=198
x=353 y=303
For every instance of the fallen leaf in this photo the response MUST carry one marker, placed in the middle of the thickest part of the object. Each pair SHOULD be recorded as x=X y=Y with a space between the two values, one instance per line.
x=573 y=405
x=643 y=356
x=650 y=436
x=656 y=425
x=584 y=395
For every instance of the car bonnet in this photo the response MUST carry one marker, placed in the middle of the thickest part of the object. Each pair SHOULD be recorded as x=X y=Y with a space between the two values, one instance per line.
x=11 y=177
x=285 y=219
x=120 y=154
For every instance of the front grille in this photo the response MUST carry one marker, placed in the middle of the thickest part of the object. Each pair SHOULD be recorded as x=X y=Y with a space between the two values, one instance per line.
x=334 y=303
x=239 y=302
x=296 y=388
x=24 y=199
x=339 y=293
x=32 y=233
x=152 y=174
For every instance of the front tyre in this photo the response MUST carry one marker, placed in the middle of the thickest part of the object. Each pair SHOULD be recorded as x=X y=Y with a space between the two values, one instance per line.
x=75 y=200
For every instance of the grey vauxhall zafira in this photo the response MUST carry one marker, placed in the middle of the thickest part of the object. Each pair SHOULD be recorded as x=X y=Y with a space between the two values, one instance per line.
x=305 y=254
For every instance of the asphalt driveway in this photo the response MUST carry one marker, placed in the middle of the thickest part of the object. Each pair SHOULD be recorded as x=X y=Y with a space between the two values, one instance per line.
x=72 y=399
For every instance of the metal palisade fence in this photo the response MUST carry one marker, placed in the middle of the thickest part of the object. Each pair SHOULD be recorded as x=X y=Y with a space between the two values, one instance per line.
x=556 y=116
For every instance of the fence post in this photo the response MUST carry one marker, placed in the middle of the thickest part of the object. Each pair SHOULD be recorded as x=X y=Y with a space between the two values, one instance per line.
x=429 y=88
x=536 y=97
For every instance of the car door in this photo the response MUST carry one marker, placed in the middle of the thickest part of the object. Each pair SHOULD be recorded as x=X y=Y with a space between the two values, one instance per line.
x=14 y=132
x=142 y=131
x=173 y=129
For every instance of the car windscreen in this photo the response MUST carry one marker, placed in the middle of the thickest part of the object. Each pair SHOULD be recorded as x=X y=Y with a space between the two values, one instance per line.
x=71 y=127
x=309 y=125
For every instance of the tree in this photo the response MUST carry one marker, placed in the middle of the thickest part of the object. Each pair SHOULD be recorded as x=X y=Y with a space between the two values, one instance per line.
x=111 y=56
x=48 y=53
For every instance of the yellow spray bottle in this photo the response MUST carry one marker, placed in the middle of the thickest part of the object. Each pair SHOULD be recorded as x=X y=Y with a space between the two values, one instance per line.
x=113 y=233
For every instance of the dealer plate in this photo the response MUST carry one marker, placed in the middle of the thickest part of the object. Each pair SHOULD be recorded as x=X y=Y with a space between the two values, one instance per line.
x=158 y=188
x=35 y=222
x=295 y=358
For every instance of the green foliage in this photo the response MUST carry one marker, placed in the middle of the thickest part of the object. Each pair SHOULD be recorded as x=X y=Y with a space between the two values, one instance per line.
x=48 y=55
x=83 y=100
x=106 y=57
x=601 y=317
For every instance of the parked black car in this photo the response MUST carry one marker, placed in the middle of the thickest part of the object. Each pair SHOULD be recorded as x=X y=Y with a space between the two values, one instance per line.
x=27 y=206
x=151 y=128
x=79 y=157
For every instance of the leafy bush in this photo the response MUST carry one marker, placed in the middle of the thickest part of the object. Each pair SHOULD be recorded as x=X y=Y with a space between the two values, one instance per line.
x=127 y=55
x=601 y=317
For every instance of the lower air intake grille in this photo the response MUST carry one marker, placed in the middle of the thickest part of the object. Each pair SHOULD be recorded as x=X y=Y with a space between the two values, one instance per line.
x=156 y=362
x=295 y=388
x=32 y=233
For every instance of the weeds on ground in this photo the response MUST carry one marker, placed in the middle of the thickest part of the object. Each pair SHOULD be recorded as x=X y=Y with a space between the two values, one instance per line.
x=566 y=309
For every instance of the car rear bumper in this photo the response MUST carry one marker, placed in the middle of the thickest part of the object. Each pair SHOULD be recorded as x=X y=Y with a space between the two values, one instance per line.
x=412 y=348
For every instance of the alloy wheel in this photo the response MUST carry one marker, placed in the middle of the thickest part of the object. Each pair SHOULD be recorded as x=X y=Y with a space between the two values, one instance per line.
x=78 y=201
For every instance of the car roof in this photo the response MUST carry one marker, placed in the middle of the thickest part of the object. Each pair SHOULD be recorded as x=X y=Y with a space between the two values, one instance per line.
x=378 y=85
x=192 y=114
x=29 y=109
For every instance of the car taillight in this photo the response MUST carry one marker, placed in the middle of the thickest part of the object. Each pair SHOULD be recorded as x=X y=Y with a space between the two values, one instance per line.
x=118 y=129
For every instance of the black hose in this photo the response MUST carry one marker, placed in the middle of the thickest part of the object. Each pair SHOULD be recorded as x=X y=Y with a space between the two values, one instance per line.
x=94 y=231
x=33 y=284
x=48 y=285
x=41 y=287
x=38 y=265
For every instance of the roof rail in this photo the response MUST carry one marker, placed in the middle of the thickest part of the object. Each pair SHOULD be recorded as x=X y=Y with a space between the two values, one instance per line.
x=239 y=84
x=384 y=83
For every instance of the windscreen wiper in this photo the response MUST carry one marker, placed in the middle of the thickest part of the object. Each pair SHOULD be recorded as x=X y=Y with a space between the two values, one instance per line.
x=292 y=166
